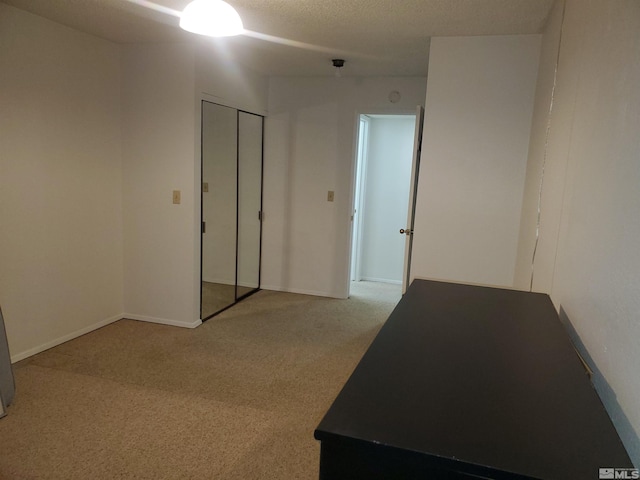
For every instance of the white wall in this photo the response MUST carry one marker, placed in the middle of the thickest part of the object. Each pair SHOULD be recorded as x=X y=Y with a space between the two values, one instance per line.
x=60 y=182
x=309 y=150
x=221 y=80
x=591 y=198
x=554 y=173
x=163 y=86
x=158 y=157
x=388 y=177
x=95 y=137
x=476 y=134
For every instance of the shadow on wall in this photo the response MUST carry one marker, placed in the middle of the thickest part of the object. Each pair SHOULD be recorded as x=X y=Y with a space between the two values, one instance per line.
x=607 y=395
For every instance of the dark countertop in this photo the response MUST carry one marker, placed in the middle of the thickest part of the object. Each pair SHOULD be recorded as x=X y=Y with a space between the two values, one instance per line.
x=481 y=376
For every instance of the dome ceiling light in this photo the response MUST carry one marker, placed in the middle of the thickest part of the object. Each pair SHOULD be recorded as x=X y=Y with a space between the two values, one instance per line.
x=213 y=18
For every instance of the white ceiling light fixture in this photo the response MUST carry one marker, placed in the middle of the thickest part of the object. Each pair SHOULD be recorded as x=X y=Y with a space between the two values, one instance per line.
x=213 y=18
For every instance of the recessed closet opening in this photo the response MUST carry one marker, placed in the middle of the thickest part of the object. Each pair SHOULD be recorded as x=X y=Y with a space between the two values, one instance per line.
x=231 y=195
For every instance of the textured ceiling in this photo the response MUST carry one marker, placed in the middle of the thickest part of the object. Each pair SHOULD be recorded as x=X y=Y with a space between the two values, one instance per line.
x=376 y=37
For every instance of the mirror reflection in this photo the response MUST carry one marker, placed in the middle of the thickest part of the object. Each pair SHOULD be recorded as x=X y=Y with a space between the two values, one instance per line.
x=249 y=201
x=231 y=206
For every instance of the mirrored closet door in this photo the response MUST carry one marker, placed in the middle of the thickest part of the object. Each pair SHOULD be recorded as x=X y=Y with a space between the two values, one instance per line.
x=231 y=206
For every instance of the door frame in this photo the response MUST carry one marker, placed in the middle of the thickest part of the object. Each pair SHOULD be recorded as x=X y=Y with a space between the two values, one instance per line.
x=200 y=216
x=354 y=165
x=358 y=210
x=413 y=195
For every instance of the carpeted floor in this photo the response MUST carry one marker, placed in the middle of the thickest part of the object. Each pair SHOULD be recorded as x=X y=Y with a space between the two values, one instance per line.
x=237 y=398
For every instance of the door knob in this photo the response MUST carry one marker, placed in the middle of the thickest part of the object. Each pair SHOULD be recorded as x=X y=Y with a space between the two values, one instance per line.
x=406 y=232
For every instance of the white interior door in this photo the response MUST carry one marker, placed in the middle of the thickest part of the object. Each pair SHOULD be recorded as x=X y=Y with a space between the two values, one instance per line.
x=415 y=169
x=359 y=203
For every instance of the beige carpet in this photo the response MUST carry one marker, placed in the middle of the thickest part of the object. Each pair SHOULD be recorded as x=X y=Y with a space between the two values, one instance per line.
x=237 y=398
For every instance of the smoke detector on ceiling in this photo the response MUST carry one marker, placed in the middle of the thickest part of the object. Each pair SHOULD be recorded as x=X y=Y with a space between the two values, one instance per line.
x=338 y=63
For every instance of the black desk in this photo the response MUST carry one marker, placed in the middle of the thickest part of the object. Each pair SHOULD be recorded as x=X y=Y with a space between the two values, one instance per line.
x=469 y=382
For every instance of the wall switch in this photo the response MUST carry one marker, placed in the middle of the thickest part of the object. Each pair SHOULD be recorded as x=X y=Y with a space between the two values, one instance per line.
x=176 y=197
x=205 y=187
x=330 y=196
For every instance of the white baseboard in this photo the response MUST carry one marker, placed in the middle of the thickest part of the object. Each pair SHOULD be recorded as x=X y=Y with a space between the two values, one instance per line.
x=65 y=338
x=467 y=282
x=315 y=293
x=382 y=280
x=162 y=321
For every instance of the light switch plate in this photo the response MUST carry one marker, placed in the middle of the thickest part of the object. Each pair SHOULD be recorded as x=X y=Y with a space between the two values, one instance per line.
x=330 y=195
x=176 y=197
x=205 y=187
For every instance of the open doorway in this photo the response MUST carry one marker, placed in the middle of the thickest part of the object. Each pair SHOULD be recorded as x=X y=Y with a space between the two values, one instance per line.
x=382 y=188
